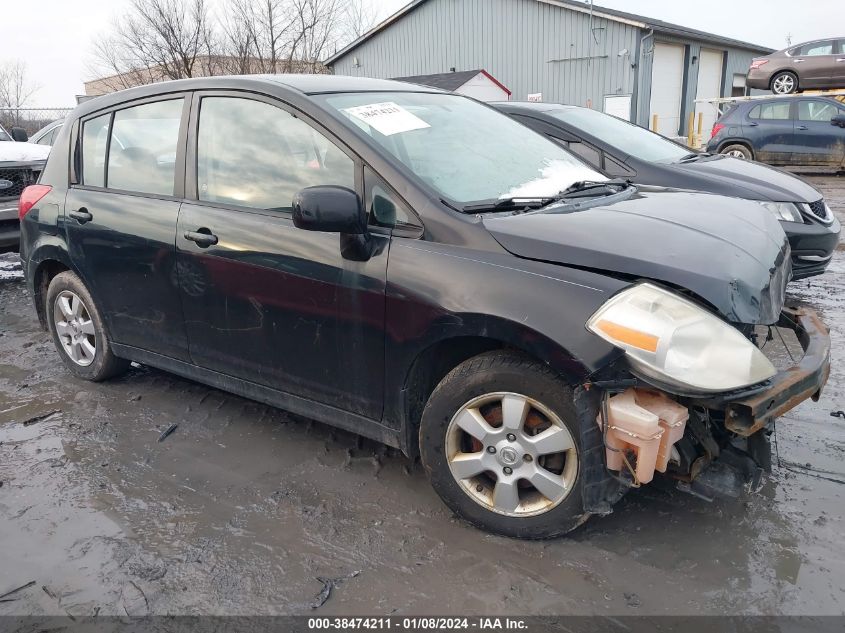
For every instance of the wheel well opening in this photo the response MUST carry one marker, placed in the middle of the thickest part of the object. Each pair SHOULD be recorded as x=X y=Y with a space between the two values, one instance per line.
x=43 y=276
x=743 y=143
x=429 y=368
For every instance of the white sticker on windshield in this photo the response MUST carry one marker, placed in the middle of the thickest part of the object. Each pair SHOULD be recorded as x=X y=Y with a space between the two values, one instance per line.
x=388 y=117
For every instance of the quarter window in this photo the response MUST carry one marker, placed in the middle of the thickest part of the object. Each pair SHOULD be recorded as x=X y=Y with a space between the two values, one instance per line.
x=94 y=136
x=254 y=154
x=816 y=111
x=770 y=111
x=142 y=155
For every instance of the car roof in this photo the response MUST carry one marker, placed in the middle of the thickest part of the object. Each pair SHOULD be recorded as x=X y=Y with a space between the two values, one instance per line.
x=533 y=106
x=303 y=84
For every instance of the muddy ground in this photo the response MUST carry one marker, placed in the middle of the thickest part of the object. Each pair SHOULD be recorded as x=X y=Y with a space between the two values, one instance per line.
x=243 y=507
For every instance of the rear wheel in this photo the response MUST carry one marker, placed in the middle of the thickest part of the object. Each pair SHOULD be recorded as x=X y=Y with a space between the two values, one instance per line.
x=737 y=151
x=78 y=331
x=784 y=83
x=499 y=441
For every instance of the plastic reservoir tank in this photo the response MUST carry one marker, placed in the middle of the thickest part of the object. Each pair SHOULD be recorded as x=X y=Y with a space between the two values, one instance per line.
x=643 y=424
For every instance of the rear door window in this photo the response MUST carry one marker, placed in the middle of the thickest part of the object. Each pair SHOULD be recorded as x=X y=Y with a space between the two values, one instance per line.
x=770 y=112
x=254 y=154
x=142 y=154
x=94 y=141
x=817 y=48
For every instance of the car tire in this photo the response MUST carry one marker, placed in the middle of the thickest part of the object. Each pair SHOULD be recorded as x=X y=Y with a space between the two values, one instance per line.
x=784 y=83
x=737 y=151
x=527 y=426
x=78 y=331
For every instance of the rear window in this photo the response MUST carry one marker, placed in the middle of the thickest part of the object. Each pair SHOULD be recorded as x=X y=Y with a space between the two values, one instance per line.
x=770 y=111
x=142 y=156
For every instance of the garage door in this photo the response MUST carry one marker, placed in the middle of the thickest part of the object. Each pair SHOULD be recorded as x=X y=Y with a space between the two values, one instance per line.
x=709 y=87
x=667 y=85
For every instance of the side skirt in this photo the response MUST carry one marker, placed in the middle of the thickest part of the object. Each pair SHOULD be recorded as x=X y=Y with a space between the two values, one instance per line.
x=294 y=404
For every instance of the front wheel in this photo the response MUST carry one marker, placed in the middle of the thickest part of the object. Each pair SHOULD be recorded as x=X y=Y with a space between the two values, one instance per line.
x=499 y=440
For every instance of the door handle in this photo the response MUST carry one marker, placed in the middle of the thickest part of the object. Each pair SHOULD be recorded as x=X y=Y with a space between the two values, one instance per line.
x=840 y=59
x=802 y=127
x=203 y=237
x=81 y=215
x=798 y=61
x=753 y=124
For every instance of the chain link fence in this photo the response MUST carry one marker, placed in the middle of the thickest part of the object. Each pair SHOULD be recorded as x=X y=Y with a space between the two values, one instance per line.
x=30 y=119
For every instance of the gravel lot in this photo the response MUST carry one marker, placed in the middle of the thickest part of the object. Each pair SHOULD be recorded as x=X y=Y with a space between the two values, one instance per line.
x=243 y=507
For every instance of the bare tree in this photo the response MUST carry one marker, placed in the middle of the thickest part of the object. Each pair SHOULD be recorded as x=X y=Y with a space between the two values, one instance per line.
x=15 y=87
x=174 y=39
x=155 y=40
x=358 y=17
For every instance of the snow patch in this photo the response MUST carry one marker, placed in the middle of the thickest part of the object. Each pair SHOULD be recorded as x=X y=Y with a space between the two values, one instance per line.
x=554 y=177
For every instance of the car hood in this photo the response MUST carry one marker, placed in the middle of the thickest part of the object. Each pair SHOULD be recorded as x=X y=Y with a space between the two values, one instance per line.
x=10 y=151
x=752 y=180
x=729 y=252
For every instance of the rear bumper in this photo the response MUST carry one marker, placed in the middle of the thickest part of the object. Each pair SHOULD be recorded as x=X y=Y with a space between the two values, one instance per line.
x=758 y=79
x=789 y=387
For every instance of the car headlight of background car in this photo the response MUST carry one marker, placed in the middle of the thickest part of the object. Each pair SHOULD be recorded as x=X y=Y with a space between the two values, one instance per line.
x=784 y=211
x=675 y=341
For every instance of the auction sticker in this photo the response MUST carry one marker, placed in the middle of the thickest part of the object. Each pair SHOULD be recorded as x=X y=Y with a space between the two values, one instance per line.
x=387 y=117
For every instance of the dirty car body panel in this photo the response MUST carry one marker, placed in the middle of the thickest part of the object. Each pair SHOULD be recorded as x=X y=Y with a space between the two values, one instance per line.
x=357 y=327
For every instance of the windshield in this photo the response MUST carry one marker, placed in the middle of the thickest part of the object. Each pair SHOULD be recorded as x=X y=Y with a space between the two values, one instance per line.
x=627 y=137
x=466 y=151
x=4 y=136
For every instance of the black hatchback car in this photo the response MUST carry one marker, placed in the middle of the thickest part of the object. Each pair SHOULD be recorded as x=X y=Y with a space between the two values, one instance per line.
x=416 y=267
x=623 y=150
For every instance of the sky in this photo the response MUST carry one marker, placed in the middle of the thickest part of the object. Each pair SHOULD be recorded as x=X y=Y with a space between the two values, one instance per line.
x=57 y=46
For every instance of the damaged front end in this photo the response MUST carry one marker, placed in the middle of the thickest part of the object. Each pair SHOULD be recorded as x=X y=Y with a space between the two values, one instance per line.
x=711 y=444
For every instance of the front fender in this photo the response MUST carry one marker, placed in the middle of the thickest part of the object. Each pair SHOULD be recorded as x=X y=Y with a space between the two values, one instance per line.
x=437 y=292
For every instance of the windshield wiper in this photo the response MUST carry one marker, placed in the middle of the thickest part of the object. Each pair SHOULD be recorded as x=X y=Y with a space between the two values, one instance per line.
x=692 y=157
x=507 y=204
x=592 y=188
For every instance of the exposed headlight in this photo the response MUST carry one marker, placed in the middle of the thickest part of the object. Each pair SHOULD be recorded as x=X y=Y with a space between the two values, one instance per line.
x=784 y=211
x=671 y=339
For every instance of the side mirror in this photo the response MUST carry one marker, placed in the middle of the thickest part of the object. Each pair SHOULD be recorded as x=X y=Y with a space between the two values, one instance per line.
x=838 y=120
x=19 y=135
x=330 y=209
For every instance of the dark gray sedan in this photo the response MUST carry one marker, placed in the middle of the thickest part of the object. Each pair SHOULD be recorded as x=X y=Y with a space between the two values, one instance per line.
x=621 y=149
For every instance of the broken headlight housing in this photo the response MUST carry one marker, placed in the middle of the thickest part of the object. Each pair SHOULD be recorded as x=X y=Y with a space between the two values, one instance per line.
x=673 y=340
x=784 y=211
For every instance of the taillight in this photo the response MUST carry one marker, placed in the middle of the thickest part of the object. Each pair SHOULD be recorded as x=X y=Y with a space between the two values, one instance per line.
x=718 y=127
x=756 y=63
x=30 y=197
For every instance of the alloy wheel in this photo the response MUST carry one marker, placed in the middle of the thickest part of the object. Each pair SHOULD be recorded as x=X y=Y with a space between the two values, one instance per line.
x=511 y=454
x=783 y=84
x=735 y=153
x=75 y=328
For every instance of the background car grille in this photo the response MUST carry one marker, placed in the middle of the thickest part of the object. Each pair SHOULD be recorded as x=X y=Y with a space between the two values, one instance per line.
x=20 y=177
x=819 y=210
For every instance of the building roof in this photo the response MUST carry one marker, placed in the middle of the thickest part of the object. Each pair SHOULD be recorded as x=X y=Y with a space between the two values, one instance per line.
x=613 y=15
x=450 y=81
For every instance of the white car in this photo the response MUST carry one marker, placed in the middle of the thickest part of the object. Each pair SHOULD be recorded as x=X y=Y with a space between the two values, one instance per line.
x=20 y=166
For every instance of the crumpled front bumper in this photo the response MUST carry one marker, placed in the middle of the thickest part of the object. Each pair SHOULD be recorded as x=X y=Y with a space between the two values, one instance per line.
x=789 y=387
